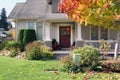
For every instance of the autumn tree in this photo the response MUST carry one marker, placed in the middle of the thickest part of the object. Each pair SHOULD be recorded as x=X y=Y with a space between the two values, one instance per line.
x=96 y=12
x=104 y=13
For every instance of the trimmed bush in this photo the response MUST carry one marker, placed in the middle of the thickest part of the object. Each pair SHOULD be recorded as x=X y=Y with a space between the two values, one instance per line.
x=21 y=35
x=26 y=35
x=38 y=51
x=29 y=36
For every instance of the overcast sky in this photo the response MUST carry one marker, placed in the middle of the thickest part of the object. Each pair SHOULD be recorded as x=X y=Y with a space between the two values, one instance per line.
x=9 y=4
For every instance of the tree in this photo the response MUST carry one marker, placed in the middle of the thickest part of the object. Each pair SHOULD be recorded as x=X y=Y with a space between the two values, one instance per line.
x=3 y=20
x=96 y=12
x=104 y=13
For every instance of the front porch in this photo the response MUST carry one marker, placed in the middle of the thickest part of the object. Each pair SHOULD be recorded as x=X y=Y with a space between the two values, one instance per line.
x=96 y=43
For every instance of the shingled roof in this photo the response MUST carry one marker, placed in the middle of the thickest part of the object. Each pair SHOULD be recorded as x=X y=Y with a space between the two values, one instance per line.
x=31 y=9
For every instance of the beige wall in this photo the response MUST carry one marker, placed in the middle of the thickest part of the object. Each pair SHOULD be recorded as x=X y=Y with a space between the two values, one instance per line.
x=20 y=25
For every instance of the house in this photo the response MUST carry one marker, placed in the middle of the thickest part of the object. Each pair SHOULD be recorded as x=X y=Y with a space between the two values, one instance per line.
x=44 y=18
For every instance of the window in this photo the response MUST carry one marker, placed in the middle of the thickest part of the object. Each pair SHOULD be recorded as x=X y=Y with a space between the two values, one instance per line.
x=39 y=31
x=30 y=25
x=98 y=33
x=104 y=34
x=94 y=33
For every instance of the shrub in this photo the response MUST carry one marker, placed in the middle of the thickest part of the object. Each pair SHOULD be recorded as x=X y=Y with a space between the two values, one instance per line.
x=29 y=36
x=88 y=55
x=2 y=45
x=37 y=51
x=111 y=65
x=89 y=60
x=47 y=55
x=11 y=44
x=68 y=65
x=14 y=52
x=21 y=35
x=34 y=54
x=26 y=35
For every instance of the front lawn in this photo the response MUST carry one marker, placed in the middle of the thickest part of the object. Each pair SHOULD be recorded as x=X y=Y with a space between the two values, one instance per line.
x=17 y=69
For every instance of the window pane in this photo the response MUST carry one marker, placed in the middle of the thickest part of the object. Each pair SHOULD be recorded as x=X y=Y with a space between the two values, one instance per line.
x=39 y=31
x=104 y=34
x=30 y=25
x=94 y=33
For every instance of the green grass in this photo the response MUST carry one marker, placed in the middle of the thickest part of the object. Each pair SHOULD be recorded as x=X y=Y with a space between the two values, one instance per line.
x=16 y=69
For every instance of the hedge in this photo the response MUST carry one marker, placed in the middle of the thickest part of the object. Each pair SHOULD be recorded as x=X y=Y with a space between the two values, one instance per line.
x=21 y=35
x=26 y=35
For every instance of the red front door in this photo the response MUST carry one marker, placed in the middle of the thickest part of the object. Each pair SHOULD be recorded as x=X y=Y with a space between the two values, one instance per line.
x=65 y=33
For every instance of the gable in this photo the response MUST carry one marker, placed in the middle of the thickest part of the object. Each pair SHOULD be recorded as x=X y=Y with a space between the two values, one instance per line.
x=32 y=9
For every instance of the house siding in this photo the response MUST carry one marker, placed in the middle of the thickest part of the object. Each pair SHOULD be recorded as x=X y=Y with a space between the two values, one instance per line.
x=112 y=35
x=54 y=6
x=20 y=25
x=53 y=31
x=85 y=33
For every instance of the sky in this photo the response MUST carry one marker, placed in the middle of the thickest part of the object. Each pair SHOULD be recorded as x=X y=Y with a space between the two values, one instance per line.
x=9 y=5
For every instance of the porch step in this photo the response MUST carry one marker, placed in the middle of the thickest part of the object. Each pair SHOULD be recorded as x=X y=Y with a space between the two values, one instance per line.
x=61 y=53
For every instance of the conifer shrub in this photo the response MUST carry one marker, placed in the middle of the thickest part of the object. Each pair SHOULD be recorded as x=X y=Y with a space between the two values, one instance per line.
x=26 y=35
x=21 y=35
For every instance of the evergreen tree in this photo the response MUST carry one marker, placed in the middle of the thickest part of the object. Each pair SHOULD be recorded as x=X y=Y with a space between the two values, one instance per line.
x=3 y=20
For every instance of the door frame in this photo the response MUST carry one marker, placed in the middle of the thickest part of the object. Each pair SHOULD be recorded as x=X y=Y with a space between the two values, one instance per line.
x=58 y=31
